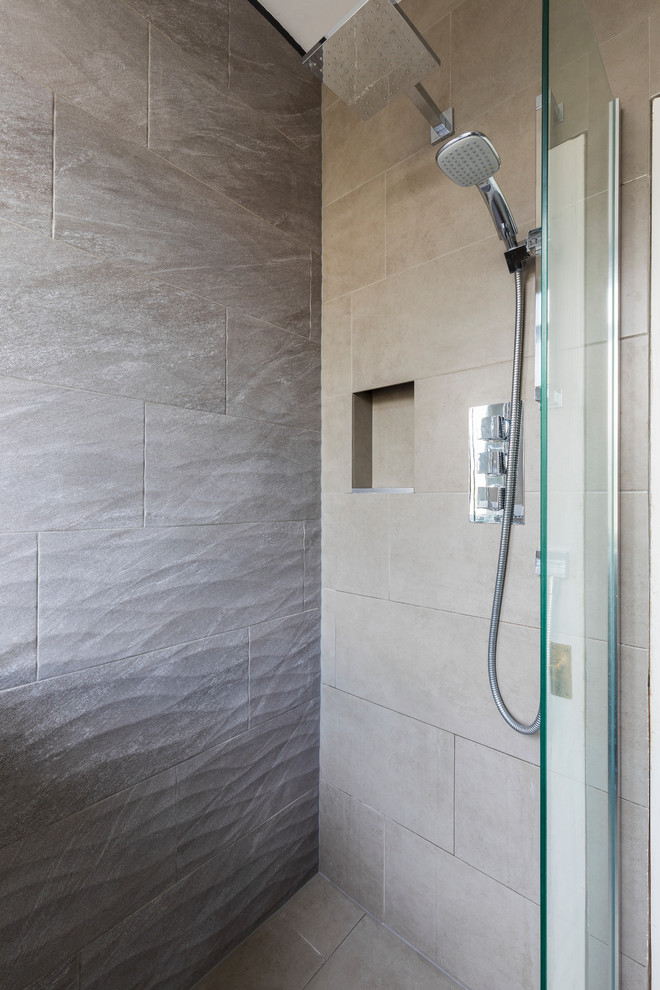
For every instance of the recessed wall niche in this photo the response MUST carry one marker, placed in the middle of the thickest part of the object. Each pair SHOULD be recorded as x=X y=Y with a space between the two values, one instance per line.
x=384 y=438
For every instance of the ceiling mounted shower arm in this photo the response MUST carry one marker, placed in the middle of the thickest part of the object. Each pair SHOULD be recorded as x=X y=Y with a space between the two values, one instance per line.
x=442 y=122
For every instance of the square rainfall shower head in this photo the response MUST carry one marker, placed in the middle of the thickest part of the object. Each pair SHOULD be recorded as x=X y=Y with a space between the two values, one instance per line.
x=373 y=57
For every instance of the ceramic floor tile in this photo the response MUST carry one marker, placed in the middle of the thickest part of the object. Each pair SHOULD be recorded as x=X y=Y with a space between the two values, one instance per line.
x=373 y=958
x=322 y=914
x=274 y=958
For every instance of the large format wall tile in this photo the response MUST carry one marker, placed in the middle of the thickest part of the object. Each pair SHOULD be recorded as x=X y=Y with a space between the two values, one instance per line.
x=201 y=28
x=18 y=592
x=354 y=239
x=26 y=126
x=355 y=544
x=459 y=908
x=59 y=45
x=72 y=740
x=353 y=847
x=267 y=73
x=176 y=938
x=497 y=816
x=431 y=665
x=272 y=374
x=228 y=791
x=203 y=468
x=284 y=664
x=63 y=886
x=123 y=203
x=69 y=459
x=197 y=125
x=437 y=558
x=108 y=595
x=69 y=319
x=402 y=768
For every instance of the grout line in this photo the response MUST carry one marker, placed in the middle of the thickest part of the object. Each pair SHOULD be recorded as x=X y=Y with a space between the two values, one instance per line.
x=327 y=959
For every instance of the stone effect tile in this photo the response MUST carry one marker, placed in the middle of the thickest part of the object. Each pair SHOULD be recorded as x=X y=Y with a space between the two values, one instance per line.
x=322 y=914
x=372 y=958
x=354 y=239
x=69 y=459
x=26 y=130
x=201 y=28
x=58 y=46
x=63 y=978
x=631 y=48
x=336 y=347
x=182 y=231
x=267 y=73
x=87 y=735
x=402 y=768
x=272 y=374
x=284 y=664
x=64 y=886
x=202 y=468
x=177 y=937
x=68 y=319
x=316 y=296
x=108 y=595
x=497 y=816
x=353 y=847
x=274 y=956
x=18 y=631
x=356 y=541
x=195 y=124
x=230 y=790
x=312 y=589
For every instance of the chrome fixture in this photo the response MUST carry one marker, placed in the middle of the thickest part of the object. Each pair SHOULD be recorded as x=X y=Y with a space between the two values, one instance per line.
x=471 y=160
x=375 y=55
x=489 y=450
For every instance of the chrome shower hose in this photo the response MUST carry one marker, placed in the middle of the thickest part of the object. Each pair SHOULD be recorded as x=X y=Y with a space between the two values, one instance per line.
x=507 y=517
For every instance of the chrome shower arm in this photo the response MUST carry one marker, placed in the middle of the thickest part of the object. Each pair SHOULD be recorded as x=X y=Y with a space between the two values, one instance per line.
x=505 y=225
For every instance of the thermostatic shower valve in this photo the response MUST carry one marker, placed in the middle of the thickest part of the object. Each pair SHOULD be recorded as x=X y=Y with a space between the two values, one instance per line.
x=489 y=452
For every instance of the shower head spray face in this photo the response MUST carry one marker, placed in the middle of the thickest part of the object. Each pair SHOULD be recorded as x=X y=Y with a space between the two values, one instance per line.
x=468 y=159
x=471 y=160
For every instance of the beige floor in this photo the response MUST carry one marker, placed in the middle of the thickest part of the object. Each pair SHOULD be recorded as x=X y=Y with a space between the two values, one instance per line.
x=322 y=940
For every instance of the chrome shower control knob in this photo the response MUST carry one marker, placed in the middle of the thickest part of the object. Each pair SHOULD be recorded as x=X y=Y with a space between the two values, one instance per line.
x=494 y=428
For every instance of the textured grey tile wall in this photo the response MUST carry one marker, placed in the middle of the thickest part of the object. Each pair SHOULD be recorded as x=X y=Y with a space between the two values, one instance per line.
x=18 y=591
x=158 y=710
x=167 y=944
x=159 y=559
x=107 y=595
x=129 y=206
x=68 y=318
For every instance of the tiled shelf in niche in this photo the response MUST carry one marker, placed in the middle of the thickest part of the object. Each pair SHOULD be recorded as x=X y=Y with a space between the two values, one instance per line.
x=384 y=439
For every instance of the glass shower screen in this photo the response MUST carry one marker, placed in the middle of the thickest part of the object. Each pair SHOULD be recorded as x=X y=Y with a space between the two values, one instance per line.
x=579 y=508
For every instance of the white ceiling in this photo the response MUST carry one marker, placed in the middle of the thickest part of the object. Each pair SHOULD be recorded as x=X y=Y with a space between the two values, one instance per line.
x=310 y=20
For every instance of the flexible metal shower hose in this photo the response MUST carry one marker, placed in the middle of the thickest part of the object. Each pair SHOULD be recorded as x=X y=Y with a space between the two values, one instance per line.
x=507 y=517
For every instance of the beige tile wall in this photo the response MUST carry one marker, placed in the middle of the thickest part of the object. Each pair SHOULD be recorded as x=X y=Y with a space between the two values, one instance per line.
x=429 y=812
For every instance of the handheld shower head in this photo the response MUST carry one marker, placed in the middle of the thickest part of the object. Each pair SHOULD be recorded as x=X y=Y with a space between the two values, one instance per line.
x=471 y=160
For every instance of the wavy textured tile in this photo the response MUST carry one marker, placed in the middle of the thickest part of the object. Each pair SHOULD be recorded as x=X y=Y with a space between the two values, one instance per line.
x=202 y=468
x=18 y=593
x=69 y=741
x=271 y=374
x=68 y=319
x=69 y=459
x=316 y=297
x=200 y=27
x=230 y=790
x=267 y=73
x=26 y=131
x=285 y=664
x=123 y=203
x=66 y=884
x=65 y=977
x=108 y=595
x=58 y=44
x=196 y=124
x=178 y=937
x=312 y=591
